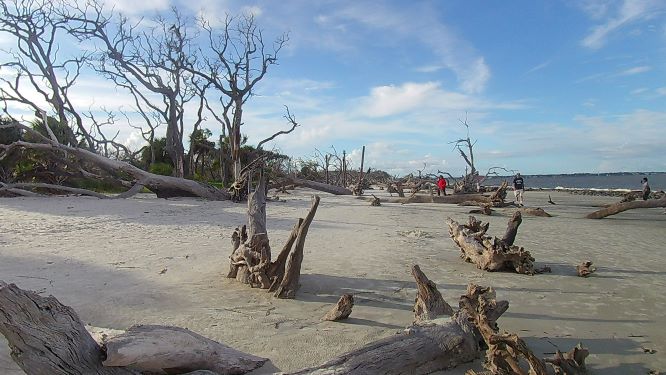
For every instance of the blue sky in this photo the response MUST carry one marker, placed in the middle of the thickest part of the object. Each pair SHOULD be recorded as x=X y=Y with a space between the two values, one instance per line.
x=547 y=86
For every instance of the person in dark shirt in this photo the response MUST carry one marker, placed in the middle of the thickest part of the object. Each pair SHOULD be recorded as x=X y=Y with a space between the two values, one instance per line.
x=518 y=189
x=646 y=188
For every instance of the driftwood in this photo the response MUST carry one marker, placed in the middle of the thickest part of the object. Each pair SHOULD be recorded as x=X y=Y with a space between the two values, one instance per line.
x=375 y=201
x=429 y=303
x=488 y=253
x=498 y=196
x=534 y=211
x=162 y=349
x=484 y=210
x=451 y=199
x=505 y=352
x=585 y=269
x=319 y=186
x=624 y=206
x=47 y=337
x=341 y=310
x=550 y=200
x=250 y=261
x=423 y=348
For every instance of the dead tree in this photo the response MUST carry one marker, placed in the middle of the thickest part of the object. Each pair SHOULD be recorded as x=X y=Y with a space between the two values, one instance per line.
x=250 y=259
x=624 y=206
x=491 y=253
x=465 y=146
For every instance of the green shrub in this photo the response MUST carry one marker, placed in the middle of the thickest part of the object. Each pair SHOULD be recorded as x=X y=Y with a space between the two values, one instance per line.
x=163 y=169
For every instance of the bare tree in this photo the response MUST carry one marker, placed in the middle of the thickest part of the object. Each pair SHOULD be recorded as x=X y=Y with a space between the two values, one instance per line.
x=466 y=148
x=154 y=64
x=240 y=59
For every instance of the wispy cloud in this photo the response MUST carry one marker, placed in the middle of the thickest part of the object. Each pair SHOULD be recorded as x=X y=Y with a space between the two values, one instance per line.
x=629 y=12
x=538 y=67
x=636 y=70
x=661 y=91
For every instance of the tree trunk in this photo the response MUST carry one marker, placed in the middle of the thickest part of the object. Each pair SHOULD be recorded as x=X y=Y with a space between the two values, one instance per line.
x=256 y=208
x=624 y=206
x=47 y=337
x=292 y=271
x=158 y=349
x=336 y=190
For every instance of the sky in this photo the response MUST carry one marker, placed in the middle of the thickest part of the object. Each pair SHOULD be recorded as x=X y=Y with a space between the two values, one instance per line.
x=546 y=86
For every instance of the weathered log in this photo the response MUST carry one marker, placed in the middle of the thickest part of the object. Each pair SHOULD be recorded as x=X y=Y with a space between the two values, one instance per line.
x=624 y=206
x=429 y=303
x=341 y=310
x=256 y=209
x=491 y=254
x=498 y=196
x=484 y=210
x=534 y=211
x=571 y=362
x=47 y=337
x=292 y=273
x=160 y=349
x=327 y=188
x=276 y=269
x=375 y=201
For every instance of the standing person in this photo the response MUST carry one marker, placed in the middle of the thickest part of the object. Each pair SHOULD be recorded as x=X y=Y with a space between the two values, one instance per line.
x=646 y=188
x=441 y=185
x=518 y=189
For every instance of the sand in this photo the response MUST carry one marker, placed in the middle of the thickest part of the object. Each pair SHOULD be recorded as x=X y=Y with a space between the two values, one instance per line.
x=149 y=260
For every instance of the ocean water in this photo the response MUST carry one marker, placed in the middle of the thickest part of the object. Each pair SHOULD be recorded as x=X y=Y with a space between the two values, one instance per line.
x=631 y=181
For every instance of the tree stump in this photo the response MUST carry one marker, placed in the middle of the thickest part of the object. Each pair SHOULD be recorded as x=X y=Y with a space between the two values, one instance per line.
x=429 y=303
x=341 y=310
x=488 y=253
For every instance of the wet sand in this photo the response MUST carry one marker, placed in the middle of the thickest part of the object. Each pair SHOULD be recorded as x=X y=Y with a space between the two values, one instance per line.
x=107 y=259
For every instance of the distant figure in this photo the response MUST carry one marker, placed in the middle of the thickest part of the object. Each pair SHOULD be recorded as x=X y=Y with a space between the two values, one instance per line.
x=441 y=185
x=518 y=189
x=646 y=188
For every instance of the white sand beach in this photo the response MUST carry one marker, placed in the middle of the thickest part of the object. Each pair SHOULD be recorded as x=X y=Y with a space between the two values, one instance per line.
x=155 y=261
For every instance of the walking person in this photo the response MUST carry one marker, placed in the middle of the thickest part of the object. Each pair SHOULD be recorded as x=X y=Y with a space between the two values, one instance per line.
x=518 y=189
x=441 y=185
x=646 y=188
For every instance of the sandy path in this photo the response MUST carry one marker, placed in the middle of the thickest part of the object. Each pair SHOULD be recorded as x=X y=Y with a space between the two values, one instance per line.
x=105 y=258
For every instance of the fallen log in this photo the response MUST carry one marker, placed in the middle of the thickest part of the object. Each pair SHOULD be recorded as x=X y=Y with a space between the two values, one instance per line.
x=341 y=310
x=163 y=349
x=319 y=186
x=47 y=337
x=451 y=199
x=585 y=269
x=624 y=206
x=488 y=253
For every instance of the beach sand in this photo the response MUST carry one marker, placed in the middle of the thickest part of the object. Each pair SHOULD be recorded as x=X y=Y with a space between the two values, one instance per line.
x=153 y=261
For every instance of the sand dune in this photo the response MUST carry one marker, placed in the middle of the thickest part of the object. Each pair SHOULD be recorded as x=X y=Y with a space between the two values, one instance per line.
x=148 y=260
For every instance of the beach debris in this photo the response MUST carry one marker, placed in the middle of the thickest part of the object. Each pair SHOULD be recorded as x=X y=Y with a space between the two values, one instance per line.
x=375 y=201
x=544 y=269
x=585 y=269
x=648 y=350
x=550 y=200
x=616 y=208
x=491 y=253
x=571 y=362
x=341 y=310
x=429 y=303
x=250 y=259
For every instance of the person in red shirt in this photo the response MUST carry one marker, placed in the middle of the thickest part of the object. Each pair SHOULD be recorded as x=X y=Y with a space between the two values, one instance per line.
x=441 y=185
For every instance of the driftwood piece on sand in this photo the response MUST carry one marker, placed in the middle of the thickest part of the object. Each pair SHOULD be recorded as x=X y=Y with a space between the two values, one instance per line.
x=47 y=337
x=484 y=210
x=292 y=270
x=505 y=352
x=585 y=269
x=534 y=211
x=159 y=349
x=319 y=186
x=488 y=253
x=423 y=348
x=375 y=201
x=341 y=310
x=450 y=199
x=429 y=303
x=498 y=196
x=624 y=206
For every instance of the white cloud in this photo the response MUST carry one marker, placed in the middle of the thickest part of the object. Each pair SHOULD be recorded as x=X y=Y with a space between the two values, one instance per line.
x=629 y=12
x=661 y=91
x=639 y=91
x=636 y=70
x=132 y=7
